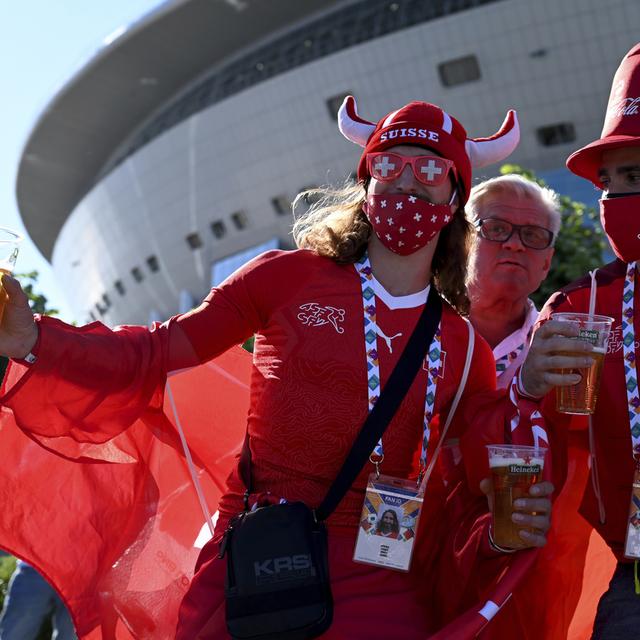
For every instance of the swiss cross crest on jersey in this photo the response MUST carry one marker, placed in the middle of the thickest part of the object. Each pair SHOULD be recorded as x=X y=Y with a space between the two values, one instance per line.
x=404 y=222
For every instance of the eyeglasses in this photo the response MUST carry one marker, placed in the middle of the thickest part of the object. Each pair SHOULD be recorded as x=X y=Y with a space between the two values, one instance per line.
x=531 y=235
x=430 y=170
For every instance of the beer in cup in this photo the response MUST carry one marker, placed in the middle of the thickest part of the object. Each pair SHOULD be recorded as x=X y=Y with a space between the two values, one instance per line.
x=581 y=398
x=9 y=242
x=514 y=469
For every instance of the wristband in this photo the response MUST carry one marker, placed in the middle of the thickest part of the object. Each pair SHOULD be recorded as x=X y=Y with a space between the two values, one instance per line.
x=32 y=356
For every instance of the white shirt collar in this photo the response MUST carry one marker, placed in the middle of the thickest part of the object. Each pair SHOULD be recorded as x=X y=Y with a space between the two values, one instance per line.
x=519 y=336
x=399 y=302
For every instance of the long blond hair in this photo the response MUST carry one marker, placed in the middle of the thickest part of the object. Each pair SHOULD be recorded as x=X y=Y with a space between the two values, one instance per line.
x=336 y=227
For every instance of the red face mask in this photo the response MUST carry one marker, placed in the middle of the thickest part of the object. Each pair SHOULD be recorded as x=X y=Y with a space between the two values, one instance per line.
x=405 y=223
x=620 y=218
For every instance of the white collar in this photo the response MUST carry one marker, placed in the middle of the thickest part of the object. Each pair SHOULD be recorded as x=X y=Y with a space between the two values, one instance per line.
x=519 y=336
x=400 y=302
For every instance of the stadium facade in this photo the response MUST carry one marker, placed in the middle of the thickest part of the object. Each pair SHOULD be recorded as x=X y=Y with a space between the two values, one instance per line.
x=173 y=155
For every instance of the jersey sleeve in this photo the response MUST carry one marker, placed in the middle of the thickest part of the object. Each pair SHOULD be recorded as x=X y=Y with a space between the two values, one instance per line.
x=231 y=313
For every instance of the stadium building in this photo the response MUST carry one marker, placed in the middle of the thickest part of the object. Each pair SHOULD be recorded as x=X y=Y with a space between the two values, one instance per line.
x=173 y=155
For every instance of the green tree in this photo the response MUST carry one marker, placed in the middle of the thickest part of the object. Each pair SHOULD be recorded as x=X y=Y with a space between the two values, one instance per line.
x=7 y=567
x=248 y=345
x=579 y=246
x=38 y=302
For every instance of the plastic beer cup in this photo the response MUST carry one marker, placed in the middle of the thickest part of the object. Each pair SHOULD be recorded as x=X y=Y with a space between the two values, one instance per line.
x=581 y=398
x=9 y=243
x=514 y=469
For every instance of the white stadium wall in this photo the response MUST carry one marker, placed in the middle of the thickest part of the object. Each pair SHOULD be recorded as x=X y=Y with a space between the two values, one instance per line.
x=552 y=61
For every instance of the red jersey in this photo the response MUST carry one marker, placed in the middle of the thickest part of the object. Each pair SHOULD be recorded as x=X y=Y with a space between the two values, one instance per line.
x=309 y=394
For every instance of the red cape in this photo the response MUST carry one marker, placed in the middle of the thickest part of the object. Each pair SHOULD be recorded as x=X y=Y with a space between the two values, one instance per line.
x=117 y=538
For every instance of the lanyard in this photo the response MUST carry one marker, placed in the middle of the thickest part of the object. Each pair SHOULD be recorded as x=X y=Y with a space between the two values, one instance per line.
x=503 y=362
x=363 y=266
x=628 y=346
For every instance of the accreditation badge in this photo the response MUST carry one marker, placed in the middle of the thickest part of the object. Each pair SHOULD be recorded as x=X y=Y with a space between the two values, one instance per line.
x=632 y=541
x=389 y=522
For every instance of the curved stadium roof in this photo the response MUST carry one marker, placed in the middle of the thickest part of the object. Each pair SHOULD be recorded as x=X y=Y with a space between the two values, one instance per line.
x=122 y=86
x=175 y=61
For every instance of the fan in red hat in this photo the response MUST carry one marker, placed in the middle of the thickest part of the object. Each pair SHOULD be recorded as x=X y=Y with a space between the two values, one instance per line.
x=612 y=162
x=611 y=501
x=416 y=169
x=621 y=123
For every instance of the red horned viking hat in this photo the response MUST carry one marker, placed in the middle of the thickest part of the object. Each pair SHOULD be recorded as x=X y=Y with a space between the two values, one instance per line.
x=621 y=121
x=427 y=125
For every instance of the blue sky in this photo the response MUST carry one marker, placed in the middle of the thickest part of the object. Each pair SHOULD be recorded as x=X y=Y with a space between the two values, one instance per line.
x=42 y=45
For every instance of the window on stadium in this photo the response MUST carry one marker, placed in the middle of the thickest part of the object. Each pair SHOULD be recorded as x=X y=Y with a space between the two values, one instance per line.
x=459 y=71
x=194 y=241
x=218 y=229
x=554 y=134
x=281 y=205
x=153 y=264
x=240 y=220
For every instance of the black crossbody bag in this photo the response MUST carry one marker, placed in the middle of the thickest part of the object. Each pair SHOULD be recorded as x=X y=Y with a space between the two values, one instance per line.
x=277 y=584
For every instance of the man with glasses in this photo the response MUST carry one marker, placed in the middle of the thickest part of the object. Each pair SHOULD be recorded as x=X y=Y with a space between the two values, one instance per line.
x=516 y=222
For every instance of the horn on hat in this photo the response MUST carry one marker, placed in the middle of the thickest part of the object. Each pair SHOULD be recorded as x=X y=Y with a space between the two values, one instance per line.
x=351 y=125
x=484 y=151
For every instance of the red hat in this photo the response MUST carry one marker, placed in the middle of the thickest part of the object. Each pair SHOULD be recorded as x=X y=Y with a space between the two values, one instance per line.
x=621 y=121
x=426 y=125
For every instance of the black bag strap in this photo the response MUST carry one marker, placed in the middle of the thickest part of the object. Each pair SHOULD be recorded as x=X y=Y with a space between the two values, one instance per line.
x=394 y=392
x=379 y=417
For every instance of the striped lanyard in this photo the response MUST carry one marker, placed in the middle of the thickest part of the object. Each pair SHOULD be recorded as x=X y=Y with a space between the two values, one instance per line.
x=363 y=267
x=629 y=351
x=504 y=362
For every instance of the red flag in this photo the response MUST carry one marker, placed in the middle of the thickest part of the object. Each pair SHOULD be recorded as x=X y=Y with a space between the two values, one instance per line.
x=119 y=540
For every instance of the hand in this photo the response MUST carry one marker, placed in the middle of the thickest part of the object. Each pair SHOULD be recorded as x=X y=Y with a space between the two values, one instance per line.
x=547 y=355
x=534 y=512
x=19 y=331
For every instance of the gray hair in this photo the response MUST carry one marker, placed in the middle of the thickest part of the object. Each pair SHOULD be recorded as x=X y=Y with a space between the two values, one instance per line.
x=518 y=186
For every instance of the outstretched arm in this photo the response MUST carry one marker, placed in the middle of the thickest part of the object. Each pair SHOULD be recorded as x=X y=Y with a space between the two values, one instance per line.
x=18 y=332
